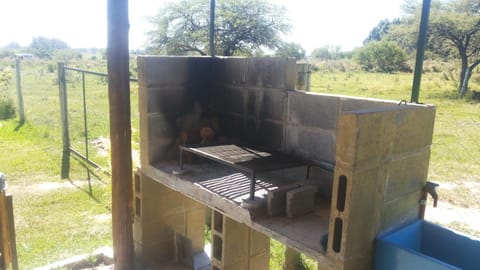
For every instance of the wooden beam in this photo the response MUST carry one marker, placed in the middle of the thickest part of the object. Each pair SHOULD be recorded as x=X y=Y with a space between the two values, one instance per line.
x=120 y=133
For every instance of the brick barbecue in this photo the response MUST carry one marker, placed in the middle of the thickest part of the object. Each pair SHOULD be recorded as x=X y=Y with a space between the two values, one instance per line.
x=323 y=174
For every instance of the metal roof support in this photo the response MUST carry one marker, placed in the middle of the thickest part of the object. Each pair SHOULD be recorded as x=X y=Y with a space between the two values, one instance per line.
x=212 y=27
x=422 y=41
x=120 y=133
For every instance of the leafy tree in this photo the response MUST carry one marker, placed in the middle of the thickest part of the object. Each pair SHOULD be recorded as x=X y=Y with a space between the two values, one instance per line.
x=379 y=31
x=241 y=27
x=381 y=56
x=45 y=47
x=291 y=49
x=455 y=31
x=328 y=52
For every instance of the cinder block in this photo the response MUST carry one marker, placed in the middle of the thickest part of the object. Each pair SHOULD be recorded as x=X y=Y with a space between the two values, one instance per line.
x=272 y=134
x=163 y=70
x=407 y=174
x=313 y=110
x=170 y=100
x=259 y=243
x=277 y=200
x=259 y=261
x=414 y=129
x=300 y=201
x=274 y=104
x=310 y=144
x=272 y=73
x=349 y=104
x=228 y=99
x=195 y=228
x=235 y=243
x=400 y=211
x=231 y=70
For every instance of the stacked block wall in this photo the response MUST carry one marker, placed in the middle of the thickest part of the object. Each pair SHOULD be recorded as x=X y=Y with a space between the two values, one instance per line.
x=382 y=161
x=235 y=246
x=162 y=216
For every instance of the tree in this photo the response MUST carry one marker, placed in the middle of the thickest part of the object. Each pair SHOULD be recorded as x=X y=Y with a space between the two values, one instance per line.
x=290 y=49
x=382 y=56
x=45 y=47
x=455 y=30
x=379 y=31
x=454 y=33
x=242 y=27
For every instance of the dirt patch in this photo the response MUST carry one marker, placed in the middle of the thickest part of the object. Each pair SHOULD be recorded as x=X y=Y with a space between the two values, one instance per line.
x=458 y=207
x=42 y=188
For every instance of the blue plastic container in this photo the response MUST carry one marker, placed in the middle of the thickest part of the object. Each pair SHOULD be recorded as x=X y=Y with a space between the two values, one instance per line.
x=426 y=246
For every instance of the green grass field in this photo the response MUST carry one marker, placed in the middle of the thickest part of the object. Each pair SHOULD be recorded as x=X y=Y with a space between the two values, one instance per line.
x=57 y=219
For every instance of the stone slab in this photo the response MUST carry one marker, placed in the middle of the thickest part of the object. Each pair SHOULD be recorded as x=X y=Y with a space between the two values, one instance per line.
x=300 y=201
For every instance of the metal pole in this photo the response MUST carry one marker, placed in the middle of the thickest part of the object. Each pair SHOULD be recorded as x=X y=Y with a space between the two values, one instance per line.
x=62 y=90
x=21 y=111
x=120 y=133
x=212 y=27
x=85 y=129
x=422 y=41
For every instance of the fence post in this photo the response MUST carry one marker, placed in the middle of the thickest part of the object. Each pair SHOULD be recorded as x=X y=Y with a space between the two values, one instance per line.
x=62 y=88
x=21 y=111
x=8 y=250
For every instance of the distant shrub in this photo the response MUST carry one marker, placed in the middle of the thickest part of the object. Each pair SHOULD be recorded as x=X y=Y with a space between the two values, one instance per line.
x=7 y=109
x=382 y=56
x=51 y=68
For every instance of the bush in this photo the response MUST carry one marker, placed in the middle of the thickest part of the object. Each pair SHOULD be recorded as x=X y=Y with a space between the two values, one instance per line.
x=7 y=109
x=382 y=56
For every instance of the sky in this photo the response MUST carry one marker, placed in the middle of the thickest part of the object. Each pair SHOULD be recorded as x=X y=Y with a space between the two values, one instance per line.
x=83 y=24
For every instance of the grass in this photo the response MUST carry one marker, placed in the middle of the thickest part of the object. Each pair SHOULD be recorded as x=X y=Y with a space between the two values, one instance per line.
x=65 y=220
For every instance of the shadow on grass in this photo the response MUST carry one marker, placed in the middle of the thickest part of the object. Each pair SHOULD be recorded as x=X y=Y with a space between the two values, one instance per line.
x=448 y=94
x=19 y=125
x=88 y=190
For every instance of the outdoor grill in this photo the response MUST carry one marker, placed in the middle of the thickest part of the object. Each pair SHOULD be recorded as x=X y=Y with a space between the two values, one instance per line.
x=245 y=159
x=323 y=174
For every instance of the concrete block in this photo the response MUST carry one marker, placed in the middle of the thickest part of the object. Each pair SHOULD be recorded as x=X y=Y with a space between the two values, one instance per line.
x=348 y=104
x=231 y=70
x=259 y=261
x=175 y=100
x=414 y=129
x=271 y=73
x=184 y=250
x=363 y=198
x=163 y=70
x=312 y=110
x=400 y=211
x=310 y=144
x=277 y=200
x=292 y=259
x=235 y=243
x=228 y=99
x=195 y=228
x=407 y=174
x=300 y=201
x=259 y=243
x=274 y=105
x=272 y=134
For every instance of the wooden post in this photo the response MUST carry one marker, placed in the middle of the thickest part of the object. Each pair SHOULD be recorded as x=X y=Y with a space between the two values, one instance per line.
x=120 y=133
x=21 y=111
x=62 y=89
x=7 y=233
